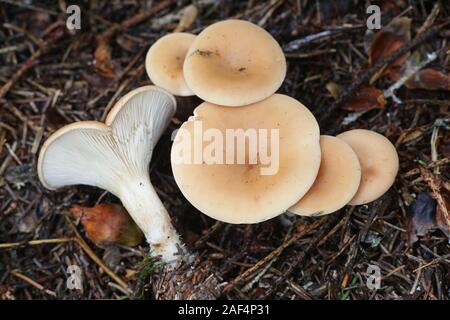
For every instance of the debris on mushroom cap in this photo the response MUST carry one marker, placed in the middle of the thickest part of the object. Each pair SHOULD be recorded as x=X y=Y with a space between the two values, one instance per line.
x=164 y=62
x=115 y=157
x=336 y=183
x=379 y=163
x=234 y=63
x=244 y=193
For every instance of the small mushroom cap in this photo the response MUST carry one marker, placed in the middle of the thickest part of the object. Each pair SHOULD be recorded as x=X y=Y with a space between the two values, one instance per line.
x=239 y=193
x=336 y=183
x=234 y=63
x=164 y=62
x=379 y=163
x=96 y=154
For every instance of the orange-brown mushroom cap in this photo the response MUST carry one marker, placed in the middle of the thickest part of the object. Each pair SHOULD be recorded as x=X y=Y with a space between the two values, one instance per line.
x=379 y=163
x=337 y=181
x=164 y=62
x=234 y=63
x=240 y=193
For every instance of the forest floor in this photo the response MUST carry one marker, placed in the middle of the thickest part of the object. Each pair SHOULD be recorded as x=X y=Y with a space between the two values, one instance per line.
x=50 y=76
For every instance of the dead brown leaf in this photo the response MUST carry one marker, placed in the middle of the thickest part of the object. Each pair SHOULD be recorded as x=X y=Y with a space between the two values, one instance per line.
x=103 y=60
x=107 y=224
x=429 y=79
x=388 y=40
x=366 y=98
x=412 y=134
x=422 y=218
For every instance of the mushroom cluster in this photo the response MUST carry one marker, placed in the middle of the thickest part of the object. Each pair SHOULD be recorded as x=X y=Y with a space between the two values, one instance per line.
x=285 y=164
x=236 y=67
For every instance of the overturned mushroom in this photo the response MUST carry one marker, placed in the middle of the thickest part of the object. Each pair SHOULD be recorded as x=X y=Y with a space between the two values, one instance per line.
x=337 y=182
x=234 y=63
x=115 y=157
x=164 y=62
x=379 y=163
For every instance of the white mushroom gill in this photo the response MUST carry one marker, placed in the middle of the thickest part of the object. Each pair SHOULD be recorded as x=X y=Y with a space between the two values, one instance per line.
x=115 y=157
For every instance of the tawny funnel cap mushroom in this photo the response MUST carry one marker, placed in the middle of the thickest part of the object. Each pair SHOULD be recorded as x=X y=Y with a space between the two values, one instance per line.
x=336 y=183
x=234 y=63
x=115 y=157
x=379 y=163
x=164 y=62
x=247 y=164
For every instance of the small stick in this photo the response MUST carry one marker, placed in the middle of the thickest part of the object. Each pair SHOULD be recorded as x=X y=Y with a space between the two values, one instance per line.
x=408 y=73
x=416 y=282
x=23 y=4
x=8 y=159
x=250 y=284
x=13 y=154
x=270 y=256
x=37 y=140
x=321 y=226
x=432 y=262
x=131 y=64
x=17 y=113
x=35 y=242
x=296 y=44
x=216 y=226
x=430 y=19
x=437 y=102
x=33 y=283
x=96 y=259
x=299 y=290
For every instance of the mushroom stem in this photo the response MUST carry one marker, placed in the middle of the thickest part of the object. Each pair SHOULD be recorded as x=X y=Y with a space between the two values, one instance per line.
x=143 y=204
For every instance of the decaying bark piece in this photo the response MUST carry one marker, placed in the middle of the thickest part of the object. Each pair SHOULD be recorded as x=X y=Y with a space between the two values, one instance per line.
x=187 y=281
